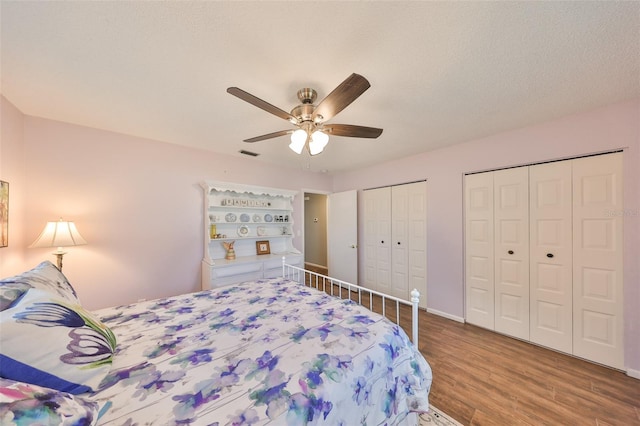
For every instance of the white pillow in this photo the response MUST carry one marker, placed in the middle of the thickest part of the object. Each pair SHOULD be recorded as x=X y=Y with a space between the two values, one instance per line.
x=48 y=339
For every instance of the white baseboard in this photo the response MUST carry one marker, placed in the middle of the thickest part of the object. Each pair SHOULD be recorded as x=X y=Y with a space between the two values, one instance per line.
x=633 y=373
x=445 y=315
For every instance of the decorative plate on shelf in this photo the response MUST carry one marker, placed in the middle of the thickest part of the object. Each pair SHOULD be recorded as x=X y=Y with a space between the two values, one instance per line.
x=268 y=217
x=243 y=230
x=244 y=217
x=257 y=218
x=230 y=217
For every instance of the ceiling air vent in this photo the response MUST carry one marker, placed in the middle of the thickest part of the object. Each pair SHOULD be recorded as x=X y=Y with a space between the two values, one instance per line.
x=249 y=153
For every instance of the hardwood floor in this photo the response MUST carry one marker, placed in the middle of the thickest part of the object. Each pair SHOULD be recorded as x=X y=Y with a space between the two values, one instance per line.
x=484 y=378
x=316 y=268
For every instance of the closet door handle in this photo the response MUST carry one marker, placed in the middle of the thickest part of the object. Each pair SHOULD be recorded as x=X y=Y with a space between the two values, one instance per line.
x=510 y=252
x=398 y=242
x=382 y=241
x=549 y=255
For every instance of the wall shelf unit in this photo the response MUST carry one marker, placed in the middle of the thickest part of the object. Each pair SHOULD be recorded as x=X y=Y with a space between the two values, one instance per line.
x=246 y=214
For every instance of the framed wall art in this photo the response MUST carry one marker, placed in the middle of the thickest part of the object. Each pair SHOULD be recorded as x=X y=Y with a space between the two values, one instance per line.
x=4 y=213
x=262 y=247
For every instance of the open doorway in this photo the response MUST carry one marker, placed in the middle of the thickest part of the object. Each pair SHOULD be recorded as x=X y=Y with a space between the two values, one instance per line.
x=331 y=234
x=315 y=232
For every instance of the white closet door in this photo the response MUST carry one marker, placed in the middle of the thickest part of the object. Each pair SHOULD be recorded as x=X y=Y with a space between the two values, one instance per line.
x=377 y=237
x=551 y=255
x=597 y=268
x=417 y=238
x=479 y=259
x=409 y=242
x=399 y=241
x=511 y=251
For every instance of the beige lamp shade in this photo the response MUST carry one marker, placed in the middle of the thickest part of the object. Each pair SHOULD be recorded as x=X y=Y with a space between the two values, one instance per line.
x=59 y=234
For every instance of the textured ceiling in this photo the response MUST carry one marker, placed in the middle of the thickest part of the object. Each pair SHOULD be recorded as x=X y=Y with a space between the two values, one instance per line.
x=441 y=72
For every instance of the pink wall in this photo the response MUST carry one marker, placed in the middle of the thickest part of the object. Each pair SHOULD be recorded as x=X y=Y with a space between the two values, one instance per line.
x=609 y=128
x=137 y=202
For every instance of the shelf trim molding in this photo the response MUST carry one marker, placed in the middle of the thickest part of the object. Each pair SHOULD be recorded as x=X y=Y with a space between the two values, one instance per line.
x=248 y=189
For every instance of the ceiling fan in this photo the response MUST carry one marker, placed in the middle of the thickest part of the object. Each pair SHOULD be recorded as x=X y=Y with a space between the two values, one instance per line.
x=313 y=131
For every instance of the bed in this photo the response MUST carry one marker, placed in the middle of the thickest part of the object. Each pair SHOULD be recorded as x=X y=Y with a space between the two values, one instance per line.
x=271 y=351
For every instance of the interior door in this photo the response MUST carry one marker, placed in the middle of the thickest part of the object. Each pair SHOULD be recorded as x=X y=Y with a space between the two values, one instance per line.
x=511 y=251
x=377 y=239
x=409 y=240
x=399 y=241
x=551 y=282
x=597 y=268
x=479 y=263
x=417 y=237
x=342 y=236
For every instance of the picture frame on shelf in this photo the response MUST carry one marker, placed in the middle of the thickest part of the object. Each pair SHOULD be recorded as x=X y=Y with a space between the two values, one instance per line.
x=262 y=247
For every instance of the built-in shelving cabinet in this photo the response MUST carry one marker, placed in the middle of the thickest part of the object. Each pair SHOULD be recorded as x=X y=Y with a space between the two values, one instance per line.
x=245 y=215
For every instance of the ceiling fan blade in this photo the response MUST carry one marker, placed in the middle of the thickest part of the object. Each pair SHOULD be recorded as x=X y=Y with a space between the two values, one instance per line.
x=351 y=131
x=248 y=97
x=347 y=92
x=269 y=136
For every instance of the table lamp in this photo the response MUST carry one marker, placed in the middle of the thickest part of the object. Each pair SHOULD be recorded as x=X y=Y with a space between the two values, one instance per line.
x=59 y=234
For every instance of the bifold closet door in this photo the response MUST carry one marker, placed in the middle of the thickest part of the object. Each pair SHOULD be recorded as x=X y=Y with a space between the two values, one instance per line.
x=597 y=266
x=377 y=239
x=479 y=260
x=544 y=253
x=399 y=241
x=511 y=251
x=395 y=239
x=409 y=233
x=551 y=296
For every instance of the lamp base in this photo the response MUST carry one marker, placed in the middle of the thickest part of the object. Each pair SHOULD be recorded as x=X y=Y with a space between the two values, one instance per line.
x=59 y=253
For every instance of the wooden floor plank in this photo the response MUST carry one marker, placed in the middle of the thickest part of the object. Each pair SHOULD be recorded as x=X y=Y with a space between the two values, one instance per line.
x=484 y=378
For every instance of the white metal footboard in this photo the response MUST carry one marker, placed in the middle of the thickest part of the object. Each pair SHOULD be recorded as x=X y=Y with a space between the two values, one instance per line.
x=321 y=282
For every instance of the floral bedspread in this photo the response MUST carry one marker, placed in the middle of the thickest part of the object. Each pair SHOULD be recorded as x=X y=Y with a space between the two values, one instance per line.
x=266 y=352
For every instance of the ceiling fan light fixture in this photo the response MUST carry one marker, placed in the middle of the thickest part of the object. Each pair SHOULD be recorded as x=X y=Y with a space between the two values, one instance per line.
x=318 y=141
x=311 y=118
x=298 y=140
